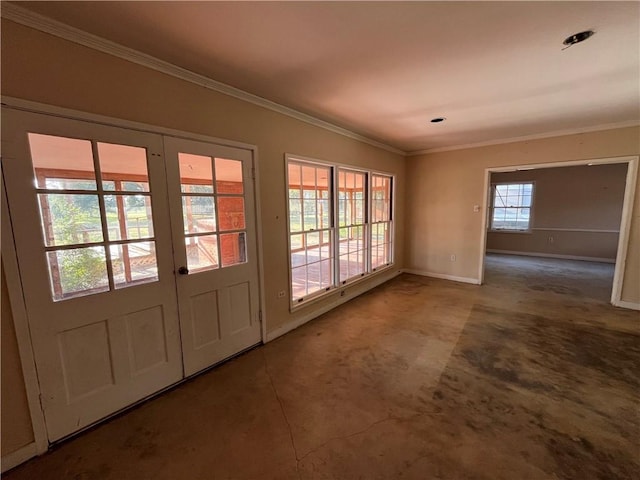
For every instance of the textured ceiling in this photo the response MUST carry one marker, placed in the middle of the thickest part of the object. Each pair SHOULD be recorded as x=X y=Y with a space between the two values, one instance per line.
x=495 y=70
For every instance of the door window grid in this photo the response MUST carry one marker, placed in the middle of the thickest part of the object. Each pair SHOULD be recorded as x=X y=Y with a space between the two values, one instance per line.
x=511 y=206
x=213 y=217
x=310 y=228
x=83 y=255
x=381 y=221
x=352 y=246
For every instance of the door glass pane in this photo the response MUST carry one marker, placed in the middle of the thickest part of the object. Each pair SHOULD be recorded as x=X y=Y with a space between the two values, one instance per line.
x=229 y=176
x=69 y=219
x=134 y=263
x=195 y=173
x=233 y=249
x=198 y=214
x=202 y=252
x=123 y=167
x=129 y=217
x=231 y=213
x=62 y=163
x=77 y=272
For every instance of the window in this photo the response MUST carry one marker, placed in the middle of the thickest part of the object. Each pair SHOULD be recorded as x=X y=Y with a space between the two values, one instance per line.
x=340 y=225
x=96 y=215
x=310 y=229
x=352 y=247
x=381 y=238
x=511 y=206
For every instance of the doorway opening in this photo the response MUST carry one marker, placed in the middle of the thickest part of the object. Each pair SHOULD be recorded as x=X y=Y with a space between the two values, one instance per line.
x=562 y=226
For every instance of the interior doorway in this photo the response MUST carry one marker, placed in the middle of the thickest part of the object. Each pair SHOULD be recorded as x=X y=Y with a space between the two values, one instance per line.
x=569 y=211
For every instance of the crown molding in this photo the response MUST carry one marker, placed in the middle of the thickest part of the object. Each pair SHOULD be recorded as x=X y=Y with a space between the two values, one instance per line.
x=538 y=136
x=53 y=27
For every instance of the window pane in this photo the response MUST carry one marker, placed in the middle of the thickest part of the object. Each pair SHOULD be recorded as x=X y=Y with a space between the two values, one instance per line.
x=323 y=210
x=229 y=176
x=295 y=176
x=233 y=249
x=77 y=272
x=298 y=282
x=195 y=173
x=68 y=219
x=310 y=220
x=202 y=252
x=134 y=263
x=198 y=214
x=128 y=216
x=231 y=213
x=62 y=163
x=295 y=215
x=296 y=242
x=124 y=166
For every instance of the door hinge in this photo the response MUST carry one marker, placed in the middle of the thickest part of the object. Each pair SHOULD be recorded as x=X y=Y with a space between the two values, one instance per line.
x=253 y=173
x=260 y=316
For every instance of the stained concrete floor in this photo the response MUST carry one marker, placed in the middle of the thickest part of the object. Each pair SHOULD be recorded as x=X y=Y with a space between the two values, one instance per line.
x=531 y=376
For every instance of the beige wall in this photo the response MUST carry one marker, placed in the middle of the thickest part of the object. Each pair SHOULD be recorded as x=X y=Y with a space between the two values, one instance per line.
x=16 y=429
x=443 y=188
x=576 y=211
x=43 y=68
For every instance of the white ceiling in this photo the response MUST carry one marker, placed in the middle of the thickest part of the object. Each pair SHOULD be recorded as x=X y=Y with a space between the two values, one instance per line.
x=496 y=70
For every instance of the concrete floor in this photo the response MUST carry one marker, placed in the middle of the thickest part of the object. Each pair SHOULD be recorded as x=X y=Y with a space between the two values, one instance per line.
x=531 y=376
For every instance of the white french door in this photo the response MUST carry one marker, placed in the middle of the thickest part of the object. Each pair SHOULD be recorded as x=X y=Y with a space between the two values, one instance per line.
x=97 y=216
x=212 y=210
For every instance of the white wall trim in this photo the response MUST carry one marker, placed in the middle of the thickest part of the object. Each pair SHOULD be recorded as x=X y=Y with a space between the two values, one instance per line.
x=350 y=294
x=629 y=305
x=552 y=255
x=21 y=455
x=21 y=324
x=625 y=230
x=537 y=136
x=579 y=230
x=72 y=34
x=442 y=276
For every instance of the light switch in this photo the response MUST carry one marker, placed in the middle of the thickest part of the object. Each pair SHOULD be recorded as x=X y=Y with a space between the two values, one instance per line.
x=476 y=208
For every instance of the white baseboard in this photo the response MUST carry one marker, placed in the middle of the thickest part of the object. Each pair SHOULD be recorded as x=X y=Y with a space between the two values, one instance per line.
x=553 y=255
x=443 y=276
x=350 y=294
x=630 y=305
x=19 y=456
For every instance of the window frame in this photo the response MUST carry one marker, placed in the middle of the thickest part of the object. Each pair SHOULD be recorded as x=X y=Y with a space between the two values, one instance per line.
x=336 y=283
x=529 y=228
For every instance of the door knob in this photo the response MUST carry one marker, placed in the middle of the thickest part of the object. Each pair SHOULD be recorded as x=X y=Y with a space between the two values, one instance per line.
x=183 y=270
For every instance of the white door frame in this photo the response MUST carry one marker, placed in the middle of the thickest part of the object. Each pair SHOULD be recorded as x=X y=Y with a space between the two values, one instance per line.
x=625 y=222
x=14 y=283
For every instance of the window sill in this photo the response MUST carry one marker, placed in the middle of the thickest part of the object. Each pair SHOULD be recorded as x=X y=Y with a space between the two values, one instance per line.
x=294 y=307
x=510 y=231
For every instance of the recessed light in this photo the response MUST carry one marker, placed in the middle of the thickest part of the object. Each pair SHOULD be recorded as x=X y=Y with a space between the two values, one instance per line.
x=577 y=38
x=438 y=119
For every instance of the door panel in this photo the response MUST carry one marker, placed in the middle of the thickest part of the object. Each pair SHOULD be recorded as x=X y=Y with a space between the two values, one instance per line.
x=88 y=205
x=212 y=211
